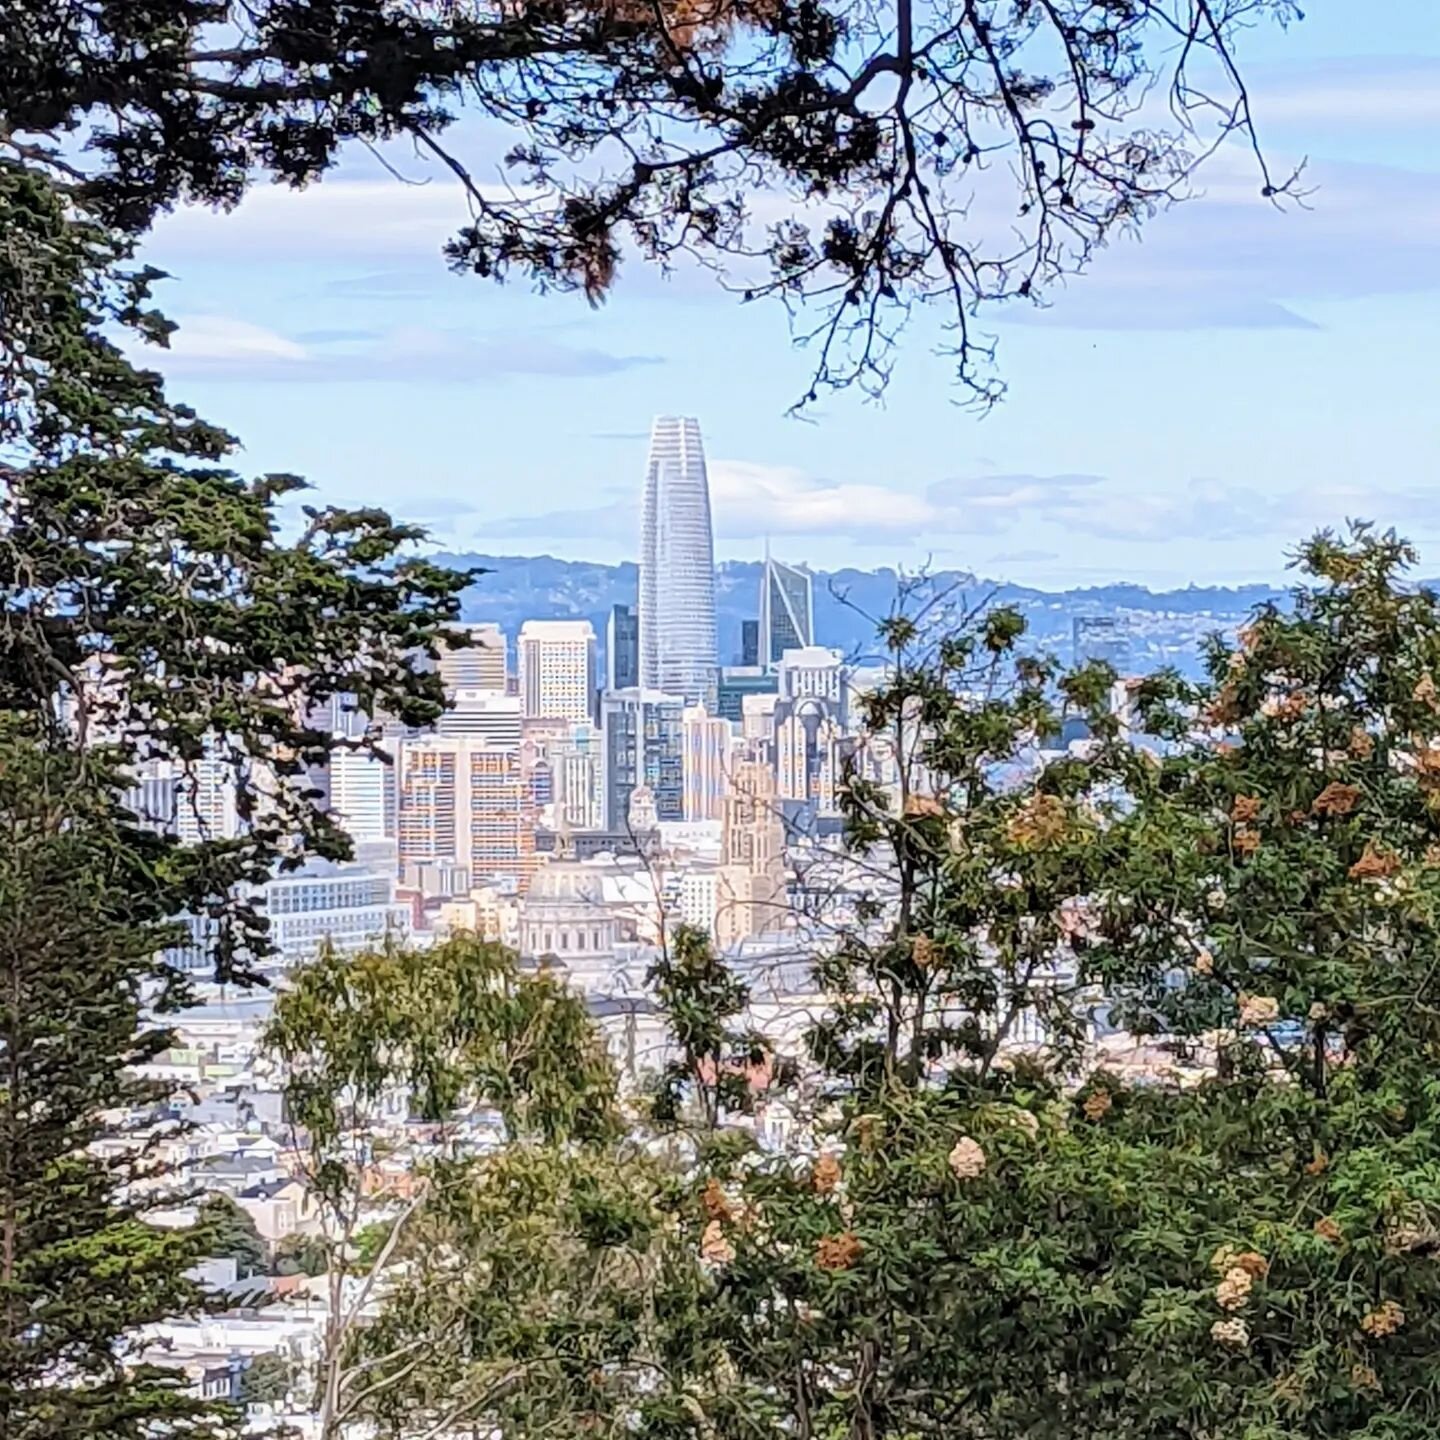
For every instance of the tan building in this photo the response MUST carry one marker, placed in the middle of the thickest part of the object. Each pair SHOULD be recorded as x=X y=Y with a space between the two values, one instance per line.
x=750 y=888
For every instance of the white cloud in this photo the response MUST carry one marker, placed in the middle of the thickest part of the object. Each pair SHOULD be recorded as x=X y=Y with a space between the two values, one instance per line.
x=216 y=347
x=219 y=340
x=751 y=500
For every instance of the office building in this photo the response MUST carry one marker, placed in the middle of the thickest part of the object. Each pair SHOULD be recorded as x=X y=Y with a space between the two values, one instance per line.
x=484 y=715
x=349 y=906
x=643 y=747
x=557 y=669
x=787 y=615
x=750 y=888
x=466 y=803
x=749 y=643
x=814 y=673
x=738 y=681
x=705 y=741
x=577 y=767
x=677 y=567
x=1105 y=639
x=363 y=795
x=622 y=649
x=480 y=665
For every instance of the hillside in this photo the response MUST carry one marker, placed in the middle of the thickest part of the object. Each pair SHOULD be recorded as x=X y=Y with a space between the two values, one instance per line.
x=1166 y=626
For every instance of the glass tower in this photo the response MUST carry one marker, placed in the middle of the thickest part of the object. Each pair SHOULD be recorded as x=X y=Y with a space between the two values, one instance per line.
x=677 y=566
x=787 y=619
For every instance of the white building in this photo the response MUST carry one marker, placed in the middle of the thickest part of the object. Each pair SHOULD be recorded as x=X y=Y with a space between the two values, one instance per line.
x=814 y=673
x=480 y=665
x=486 y=715
x=577 y=767
x=705 y=747
x=363 y=795
x=351 y=906
x=677 y=566
x=557 y=669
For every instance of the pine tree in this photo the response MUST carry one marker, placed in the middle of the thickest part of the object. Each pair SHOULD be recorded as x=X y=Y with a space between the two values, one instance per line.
x=149 y=608
x=81 y=919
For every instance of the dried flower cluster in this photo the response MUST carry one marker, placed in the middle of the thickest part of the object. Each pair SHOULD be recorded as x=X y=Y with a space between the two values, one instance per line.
x=1235 y=1333
x=826 y=1175
x=1234 y=1288
x=1041 y=822
x=1377 y=863
x=967 y=1159
x=1336 y=799
x=1097 y=1104
x=1258 y=1010
x=838 y=1252
x=1328 y=1230
x=714 y=1202
x=1385 y=1319
x=1245 y=809
x=715 y=1249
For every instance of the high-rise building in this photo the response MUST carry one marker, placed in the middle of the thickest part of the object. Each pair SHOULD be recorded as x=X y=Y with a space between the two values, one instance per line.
x=465 y=802
x=705 y=741
x=1103 y=638
x=557 y=669
x=206 y=801
x=480 y=665
x=787 y=614
x=677 y=566
x=814 y=673
x=363 y=795
x=738 y=681
x=487 y=715
x=643 y=747
x=577 y=765
x=749 y=643
x=622 y=649
x=750 y=891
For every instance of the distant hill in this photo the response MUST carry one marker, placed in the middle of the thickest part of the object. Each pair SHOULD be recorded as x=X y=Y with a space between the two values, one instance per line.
x=1165 y=626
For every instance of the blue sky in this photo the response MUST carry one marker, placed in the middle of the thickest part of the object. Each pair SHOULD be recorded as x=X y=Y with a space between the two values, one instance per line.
x=1184 y=412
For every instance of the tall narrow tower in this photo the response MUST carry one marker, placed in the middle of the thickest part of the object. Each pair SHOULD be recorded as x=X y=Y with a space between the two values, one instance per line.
x=677 y=566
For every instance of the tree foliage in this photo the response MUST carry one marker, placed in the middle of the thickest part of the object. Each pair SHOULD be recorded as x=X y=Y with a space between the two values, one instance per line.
x=230 y=1234
x=999 y=1223
x=434 y=1037
x=852 y=161
x=81 y=917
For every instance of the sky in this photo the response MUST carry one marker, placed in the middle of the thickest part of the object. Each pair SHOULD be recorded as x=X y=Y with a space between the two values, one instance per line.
x=1185 y=412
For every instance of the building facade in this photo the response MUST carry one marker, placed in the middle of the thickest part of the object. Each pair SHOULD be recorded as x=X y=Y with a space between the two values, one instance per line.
x=677 y=566
x=643 y=747
x=557 y=669
x=705 y=755
x=480 y=665
x=622 y=649
x=787 y=611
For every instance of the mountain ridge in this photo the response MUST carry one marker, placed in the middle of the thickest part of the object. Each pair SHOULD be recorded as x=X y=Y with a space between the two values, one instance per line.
x=1166 y=627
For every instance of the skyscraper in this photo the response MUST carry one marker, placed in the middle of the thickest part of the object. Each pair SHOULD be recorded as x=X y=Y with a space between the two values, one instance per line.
x=644 y=749
x=557 y=669
x=787 y=614
x=465 y=802
x=480 y=665
x=622 y=649
x=677 y=566
x=706 y=752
